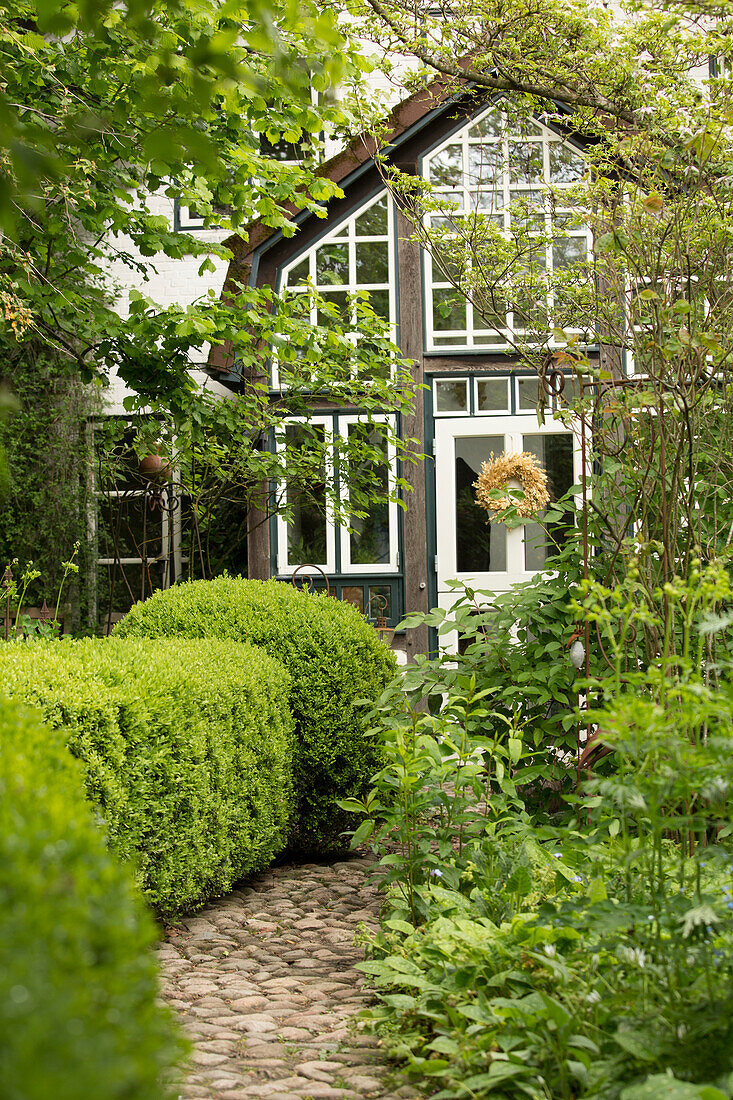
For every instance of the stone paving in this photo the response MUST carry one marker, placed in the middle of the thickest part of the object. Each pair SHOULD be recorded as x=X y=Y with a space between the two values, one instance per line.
x=265 y=984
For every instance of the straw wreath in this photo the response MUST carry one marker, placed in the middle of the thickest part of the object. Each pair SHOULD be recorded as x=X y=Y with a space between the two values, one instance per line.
x=521 y=466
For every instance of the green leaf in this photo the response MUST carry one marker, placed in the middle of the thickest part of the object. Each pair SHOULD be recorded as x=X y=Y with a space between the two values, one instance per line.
x=644 y=1045
x=363 y=833
x=662 y=1086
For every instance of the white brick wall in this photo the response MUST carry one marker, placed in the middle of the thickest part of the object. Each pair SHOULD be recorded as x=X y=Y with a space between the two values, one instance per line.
x=169 y=282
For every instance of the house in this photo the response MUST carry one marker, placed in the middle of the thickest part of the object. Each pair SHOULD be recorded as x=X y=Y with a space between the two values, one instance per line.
x=477 y=399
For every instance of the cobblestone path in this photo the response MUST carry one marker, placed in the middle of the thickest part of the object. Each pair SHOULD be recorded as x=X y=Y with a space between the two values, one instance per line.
x=264 y=981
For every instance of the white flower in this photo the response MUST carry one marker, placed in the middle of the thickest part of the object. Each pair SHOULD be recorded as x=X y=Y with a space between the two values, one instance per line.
x=550 y=950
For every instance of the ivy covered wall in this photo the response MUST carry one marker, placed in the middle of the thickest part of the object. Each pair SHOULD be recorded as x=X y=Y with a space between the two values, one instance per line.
x=48 y=493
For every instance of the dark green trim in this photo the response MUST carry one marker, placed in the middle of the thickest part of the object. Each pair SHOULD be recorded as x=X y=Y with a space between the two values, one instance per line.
x=431 y=529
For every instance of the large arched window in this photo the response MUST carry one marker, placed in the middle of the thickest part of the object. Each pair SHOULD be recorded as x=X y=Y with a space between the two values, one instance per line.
x=494 y=168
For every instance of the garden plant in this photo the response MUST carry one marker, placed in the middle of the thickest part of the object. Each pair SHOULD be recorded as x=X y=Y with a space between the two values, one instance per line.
x=334 y=659
x=79 y=1010
x=580 y=950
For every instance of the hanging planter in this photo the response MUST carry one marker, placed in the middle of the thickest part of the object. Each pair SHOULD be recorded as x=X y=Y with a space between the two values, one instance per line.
x=155 y=467
x=512 y=470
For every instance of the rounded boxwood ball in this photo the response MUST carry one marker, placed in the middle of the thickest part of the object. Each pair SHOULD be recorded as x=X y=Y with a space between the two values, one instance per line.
x=335 y=659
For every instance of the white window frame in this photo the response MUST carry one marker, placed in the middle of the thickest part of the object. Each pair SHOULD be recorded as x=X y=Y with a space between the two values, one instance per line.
x=507 y=380
x=347 y=567
x=345 y=233
x=284 y=567
x=474 y=337
x=451 y=412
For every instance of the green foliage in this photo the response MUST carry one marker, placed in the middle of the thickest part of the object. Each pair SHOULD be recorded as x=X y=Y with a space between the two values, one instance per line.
x=588 y=959
x=334 y=659
x=48 y=456
x=186 y=747
x=99 y=112
x=78 y=992
x=448 y=783
x=515 y=647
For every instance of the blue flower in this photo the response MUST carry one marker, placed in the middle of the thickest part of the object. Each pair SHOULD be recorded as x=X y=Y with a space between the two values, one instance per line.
x=577 y=878
x=730 y=904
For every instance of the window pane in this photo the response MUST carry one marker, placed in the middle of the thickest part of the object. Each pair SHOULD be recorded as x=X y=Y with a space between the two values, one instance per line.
x=489 y=339
x=568 y=250
x=529 y=393
x=451 y=395
x=379 y=607
x=298 y=274
x=449 y=310
x=369 y=539
x=493 y=394
x=446 y=168
x=373 y=222
x=490 y=202
x=379 y=301
x=307 y=502
x=332 y=264
x=480 y=545
x=528 y=210
x=525 y=161
x=340 y=300
x=566 y=166
x=555 y=452
x=353 y=594
x=489 y=126
x=372 y=263
x=485 y=164
x=129 y=528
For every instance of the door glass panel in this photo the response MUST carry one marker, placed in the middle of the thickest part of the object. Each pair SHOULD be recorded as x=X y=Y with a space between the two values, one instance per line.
x=555 y=452
x=480 y=545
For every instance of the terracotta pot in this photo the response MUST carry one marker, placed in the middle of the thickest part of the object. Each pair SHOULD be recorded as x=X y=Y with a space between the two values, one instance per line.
x=155 y=468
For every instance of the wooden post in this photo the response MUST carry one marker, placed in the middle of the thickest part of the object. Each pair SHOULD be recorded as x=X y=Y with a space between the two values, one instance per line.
x=416 y=563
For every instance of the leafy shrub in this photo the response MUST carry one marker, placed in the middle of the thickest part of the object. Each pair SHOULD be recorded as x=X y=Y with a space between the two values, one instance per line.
x=515 y=643
x=334 y=659
x=186 y=749
x=78 y=1012
x=593 y=959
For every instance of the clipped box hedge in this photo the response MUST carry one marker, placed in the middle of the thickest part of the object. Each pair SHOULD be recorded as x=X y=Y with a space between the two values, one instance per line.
x=334 y=658
x=186 y=747
x=78 y=1011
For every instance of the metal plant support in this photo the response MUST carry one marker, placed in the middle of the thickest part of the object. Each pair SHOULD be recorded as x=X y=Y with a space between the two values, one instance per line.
x=592 y=394
x=158 y=494
x=306 y=581
x=385 y=632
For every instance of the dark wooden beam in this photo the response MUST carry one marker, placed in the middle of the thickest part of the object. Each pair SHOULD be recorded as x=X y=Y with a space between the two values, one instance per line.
x=415 y=565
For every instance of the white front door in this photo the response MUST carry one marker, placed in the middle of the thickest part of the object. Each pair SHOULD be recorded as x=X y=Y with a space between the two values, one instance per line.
x=486 y=555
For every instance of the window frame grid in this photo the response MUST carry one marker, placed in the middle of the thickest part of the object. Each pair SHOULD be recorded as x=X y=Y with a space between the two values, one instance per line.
x=450 y=339
x=376 y=569
x=345 y=233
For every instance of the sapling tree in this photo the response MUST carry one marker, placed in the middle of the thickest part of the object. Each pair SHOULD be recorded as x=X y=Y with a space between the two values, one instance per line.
x=103 y=109
x=642 y=319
